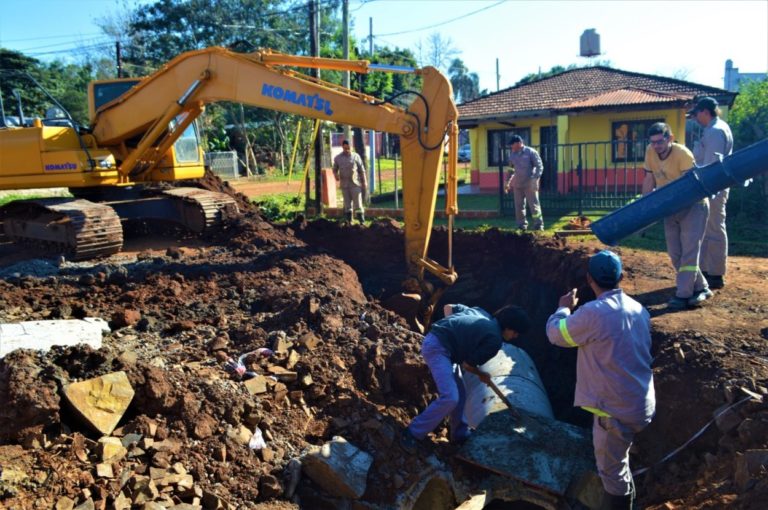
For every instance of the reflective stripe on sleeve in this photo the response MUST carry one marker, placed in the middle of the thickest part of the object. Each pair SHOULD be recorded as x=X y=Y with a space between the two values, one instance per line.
x=692 y=269
x=596 y=411
x=566 y=335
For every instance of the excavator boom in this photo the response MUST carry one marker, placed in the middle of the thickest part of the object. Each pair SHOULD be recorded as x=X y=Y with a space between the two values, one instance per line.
x=200 y=77
x=138 y=124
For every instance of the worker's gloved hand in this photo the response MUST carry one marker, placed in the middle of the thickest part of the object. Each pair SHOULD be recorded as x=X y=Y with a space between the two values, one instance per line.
x=366 y=197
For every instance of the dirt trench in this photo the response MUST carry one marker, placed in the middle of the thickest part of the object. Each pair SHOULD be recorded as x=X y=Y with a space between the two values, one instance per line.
x=310 y=291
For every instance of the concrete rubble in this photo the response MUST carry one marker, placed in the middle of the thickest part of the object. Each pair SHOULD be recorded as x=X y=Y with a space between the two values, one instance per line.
x=101 y=401
x=339 y=467
x=42 y=335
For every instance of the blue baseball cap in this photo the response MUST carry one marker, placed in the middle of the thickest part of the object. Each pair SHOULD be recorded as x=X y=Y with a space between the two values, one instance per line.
x=605 y=268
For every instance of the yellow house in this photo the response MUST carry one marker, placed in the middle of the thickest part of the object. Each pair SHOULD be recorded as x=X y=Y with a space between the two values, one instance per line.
x=589 y=125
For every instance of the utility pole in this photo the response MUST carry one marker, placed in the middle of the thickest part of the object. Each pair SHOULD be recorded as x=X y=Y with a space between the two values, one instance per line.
x=372 y=169
x=119 y=58
x=314 y=27
x=345 y=46
x=497 y=74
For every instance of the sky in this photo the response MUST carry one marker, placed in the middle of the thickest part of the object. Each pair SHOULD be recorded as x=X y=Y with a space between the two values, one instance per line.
x=685 y=39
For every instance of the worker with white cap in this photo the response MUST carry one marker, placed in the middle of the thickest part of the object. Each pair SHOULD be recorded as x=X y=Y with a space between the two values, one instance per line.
x=614 y=380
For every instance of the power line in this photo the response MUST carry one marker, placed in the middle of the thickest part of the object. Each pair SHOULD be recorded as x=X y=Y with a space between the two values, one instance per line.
x=72 y=50
x=463 y=16
x=49 y=37
x=93 y=40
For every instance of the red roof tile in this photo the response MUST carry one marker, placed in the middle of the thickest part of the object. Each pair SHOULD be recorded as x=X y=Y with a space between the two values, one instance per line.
x=592 y=87
x=627 y=96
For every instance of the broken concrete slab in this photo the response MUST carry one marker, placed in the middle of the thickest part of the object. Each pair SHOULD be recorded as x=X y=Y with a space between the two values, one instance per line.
x=339 y=467
x=42 y=335
x=748 y=468
x=101 y=401
x=539 y=451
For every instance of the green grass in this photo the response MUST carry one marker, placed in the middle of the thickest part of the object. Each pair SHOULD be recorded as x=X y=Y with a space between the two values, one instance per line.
x=10 y=196
x=281 y=206
x=747 y=217
x=385 y=166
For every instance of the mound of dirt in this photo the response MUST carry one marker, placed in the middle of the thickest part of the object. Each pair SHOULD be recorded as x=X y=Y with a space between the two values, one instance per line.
x=339 y=364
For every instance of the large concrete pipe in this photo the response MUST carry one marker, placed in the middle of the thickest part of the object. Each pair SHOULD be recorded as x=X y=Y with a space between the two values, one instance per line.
x=514 y=373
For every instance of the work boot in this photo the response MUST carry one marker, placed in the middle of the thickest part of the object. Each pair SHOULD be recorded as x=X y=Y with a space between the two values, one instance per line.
x=361 y=217
x=677 y=303
x=613 y=502
x=350 y=217
x=715 y=281
x=699 y=297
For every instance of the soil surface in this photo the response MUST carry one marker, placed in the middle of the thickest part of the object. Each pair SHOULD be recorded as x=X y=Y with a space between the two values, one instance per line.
x=182 y=309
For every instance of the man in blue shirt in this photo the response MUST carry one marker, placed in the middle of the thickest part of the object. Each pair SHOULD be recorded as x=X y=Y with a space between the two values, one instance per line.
x=463 y=340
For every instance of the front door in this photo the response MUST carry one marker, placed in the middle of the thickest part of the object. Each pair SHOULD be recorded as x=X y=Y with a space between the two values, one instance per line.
x=548 y=153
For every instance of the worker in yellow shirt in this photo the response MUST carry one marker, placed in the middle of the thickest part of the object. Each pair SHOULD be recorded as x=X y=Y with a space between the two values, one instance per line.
x=666 y=161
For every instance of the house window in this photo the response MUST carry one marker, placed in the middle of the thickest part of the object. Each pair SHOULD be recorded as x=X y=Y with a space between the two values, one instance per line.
x=630 y=138
x=499 y=139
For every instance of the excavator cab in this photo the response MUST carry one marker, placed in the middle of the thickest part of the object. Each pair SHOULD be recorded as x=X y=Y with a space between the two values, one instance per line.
x=183 y=161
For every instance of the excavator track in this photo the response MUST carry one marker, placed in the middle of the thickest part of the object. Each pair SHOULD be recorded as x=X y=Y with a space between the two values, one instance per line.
x=79 y=228
x=203 y=210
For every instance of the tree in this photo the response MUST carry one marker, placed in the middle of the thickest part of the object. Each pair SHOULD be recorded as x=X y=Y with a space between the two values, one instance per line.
x=399 y=57
x=66 y=83
x=13 y=80
x=160 y=31
x=439 y=51
x=466 y=85
x=749 y=116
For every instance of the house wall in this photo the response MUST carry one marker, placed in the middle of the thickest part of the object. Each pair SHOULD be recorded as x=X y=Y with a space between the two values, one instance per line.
x=582 y=128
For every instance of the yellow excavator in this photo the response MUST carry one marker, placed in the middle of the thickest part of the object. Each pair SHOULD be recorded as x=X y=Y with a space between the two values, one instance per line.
x=142 y=133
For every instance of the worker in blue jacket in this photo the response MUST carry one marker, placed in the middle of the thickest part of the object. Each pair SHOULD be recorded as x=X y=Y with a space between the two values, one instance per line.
x=463 y=340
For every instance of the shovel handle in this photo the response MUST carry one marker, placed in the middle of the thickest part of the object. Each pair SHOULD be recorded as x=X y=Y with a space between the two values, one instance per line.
x=504 y=399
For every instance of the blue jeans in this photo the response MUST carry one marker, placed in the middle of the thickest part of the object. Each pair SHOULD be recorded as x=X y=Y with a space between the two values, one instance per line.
x=450 y=388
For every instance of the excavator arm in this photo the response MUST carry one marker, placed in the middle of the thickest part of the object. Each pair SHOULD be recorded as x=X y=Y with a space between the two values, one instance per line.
x=182 y=88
